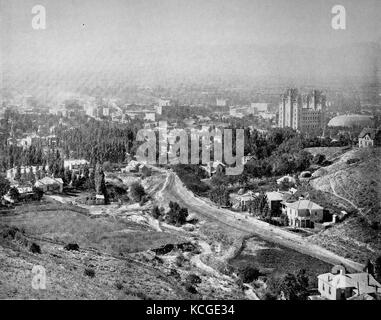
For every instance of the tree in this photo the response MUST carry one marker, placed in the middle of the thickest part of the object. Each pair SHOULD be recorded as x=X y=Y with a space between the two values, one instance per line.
x=318 y=158
x=4 y=186
x=220 y=195
x=137 y=192
x=99 y=179
x=294 y=287
x=259 y=206
x=14 y=194
x=18 y=173
x=176 y=215
x=37 y=194
x=67 y=176
x=30 y=176
x=286 y=184
x=249 y=274
x=193 y=279
x=86 y=172
x=156 y=212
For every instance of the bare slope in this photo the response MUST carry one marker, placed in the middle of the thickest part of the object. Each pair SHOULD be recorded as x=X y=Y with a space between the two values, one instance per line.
x=357 y=182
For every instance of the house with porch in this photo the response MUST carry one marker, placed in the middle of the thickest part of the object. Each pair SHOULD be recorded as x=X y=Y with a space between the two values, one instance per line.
x=302 y=213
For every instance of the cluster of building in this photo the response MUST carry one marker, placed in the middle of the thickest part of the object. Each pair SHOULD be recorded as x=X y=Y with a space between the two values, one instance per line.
x=44 y=137
x=137 y=167
x=300 y=211
x=255 y=109
x=41 y=179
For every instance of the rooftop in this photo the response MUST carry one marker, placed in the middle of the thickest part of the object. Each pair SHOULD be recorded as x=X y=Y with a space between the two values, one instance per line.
x=362 y=282
x=304 y=205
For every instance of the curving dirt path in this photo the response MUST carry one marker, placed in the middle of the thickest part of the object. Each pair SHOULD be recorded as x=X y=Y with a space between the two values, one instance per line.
x=175 y=190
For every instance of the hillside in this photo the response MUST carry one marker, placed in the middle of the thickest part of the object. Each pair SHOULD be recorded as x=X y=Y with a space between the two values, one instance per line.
x=122 y=255
x=354 y=178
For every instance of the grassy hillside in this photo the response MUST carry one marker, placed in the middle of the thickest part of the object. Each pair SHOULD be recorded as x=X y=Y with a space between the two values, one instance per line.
x=115 y=260
x=355 y=179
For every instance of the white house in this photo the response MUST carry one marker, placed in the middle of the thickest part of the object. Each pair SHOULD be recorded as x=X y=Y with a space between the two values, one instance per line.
x=49 y=184
x=75 y=164
x=369 y=138
x=303 y=213
x=11 y=173
x=340 y=285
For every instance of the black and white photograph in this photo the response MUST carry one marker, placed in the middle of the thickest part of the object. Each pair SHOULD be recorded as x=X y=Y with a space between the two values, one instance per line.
x=190 y=150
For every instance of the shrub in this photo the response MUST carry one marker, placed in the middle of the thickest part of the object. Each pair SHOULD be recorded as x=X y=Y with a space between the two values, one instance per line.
x=136 y=293
x=137 y=192
x=143 y=200
x=193 y=279
x=174 y=273
x=155 y=212
x=37 y=194
x=375 y=225
x=176 y=214
x=249 y=274
x=35 y=248
x=190 y=288
x=180 y=259
x=71 y=246
x=89 y=272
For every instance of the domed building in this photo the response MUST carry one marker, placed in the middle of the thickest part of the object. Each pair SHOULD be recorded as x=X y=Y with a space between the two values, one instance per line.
x=351 y=120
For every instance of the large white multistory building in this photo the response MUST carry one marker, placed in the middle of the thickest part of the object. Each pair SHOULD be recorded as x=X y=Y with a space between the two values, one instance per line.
x=304 y=113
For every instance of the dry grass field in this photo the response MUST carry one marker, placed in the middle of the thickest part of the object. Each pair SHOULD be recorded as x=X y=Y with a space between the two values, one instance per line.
x=354 y=179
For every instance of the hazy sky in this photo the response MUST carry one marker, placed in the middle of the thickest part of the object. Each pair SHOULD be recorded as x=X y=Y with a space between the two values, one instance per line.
x=173 y=35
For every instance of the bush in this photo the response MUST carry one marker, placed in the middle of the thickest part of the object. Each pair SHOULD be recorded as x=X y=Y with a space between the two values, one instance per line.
x=137 y=192
x=89 y=272
x=174 y=273
x=37 y=194
x=71 y=246
x=155 y=212
x=35 y=248
x=136 y=293
x=318 y=158
x=14 y=194
x=190 y=288
x=375 y=225
x=143 y=200
x=180 y=259
x=176 y=214
x=193 y=279
x=249 y=274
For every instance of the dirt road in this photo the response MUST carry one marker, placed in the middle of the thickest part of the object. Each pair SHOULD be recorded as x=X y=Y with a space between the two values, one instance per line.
x=175 y=190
